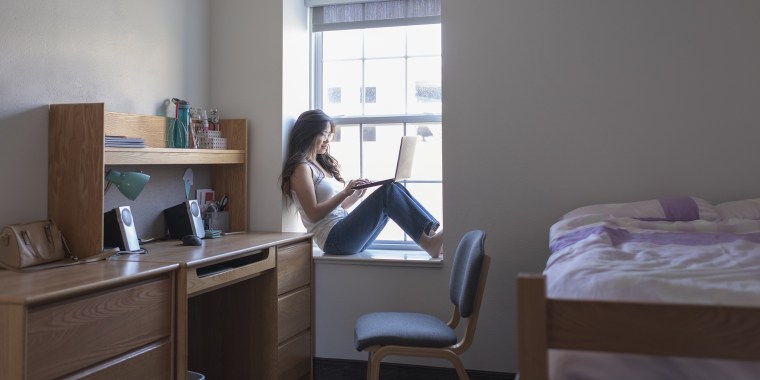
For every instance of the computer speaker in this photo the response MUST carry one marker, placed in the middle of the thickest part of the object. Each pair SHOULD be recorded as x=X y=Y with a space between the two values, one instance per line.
x=119 y=229
x=185 y=219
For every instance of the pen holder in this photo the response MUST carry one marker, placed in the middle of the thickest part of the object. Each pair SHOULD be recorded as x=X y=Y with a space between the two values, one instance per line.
x=211 y=140
x=219 y=220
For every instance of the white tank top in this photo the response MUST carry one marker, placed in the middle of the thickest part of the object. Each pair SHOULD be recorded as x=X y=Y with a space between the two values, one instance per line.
x=325 y=188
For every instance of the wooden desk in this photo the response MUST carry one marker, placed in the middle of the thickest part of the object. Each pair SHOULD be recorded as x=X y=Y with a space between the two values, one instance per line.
x=99 y=320
x=243 y=302
x=244 y=305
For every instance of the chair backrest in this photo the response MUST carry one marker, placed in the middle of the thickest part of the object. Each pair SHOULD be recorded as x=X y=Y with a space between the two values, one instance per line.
x=465 y=271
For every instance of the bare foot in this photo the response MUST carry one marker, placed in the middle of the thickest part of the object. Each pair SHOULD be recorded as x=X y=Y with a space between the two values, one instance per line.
x=432 y=244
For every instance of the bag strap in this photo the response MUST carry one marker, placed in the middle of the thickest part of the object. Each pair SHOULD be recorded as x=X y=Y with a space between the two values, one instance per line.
x=63 y=262
x=67 y=251
x=49 y=237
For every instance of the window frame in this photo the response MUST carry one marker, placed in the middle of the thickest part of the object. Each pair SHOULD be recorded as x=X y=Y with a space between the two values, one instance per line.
x=317 y=100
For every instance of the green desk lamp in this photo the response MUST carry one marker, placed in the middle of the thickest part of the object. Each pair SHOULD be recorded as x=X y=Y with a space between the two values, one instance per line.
x=129 y=183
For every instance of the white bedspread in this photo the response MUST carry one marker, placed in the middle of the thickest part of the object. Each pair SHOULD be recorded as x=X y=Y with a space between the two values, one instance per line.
x=606 y=256
x=627 y=259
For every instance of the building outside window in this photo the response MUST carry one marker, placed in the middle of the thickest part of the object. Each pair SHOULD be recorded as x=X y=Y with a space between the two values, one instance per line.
x=377 y=71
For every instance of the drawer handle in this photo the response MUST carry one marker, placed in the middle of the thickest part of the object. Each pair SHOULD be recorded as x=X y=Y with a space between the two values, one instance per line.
x=215 y=269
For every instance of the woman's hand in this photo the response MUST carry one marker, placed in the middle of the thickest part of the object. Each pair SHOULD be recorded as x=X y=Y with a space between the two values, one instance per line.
x=349 y=189
x=353 y=195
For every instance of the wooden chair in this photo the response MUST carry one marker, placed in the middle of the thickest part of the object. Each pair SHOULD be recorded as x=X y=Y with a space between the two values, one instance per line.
x=422 y=335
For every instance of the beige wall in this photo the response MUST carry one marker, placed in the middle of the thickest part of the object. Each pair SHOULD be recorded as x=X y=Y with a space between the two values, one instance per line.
x=256 y=78
x=131 y=55
x=550 y=105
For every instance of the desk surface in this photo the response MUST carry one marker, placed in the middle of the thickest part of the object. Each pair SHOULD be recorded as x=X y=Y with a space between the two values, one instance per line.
x=50 y=284
x=213 y=250
x=35 y=287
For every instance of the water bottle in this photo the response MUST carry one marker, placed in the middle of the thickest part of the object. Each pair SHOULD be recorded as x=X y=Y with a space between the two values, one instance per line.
x=177 y=136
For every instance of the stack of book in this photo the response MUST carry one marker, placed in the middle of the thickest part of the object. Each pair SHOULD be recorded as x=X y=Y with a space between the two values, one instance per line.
x=125 y=142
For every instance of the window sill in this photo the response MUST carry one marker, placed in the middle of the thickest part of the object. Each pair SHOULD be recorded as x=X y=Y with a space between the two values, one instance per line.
x=380 y=257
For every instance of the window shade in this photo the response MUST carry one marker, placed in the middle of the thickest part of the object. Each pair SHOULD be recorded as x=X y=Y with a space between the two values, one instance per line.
x=376 y=14
x=319 y=3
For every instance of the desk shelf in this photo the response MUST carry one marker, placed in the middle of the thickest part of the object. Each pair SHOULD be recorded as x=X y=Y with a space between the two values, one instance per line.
x=172 y=156
x=77 y=160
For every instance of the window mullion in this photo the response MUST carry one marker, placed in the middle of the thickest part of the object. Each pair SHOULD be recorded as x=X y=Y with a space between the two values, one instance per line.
x=406 y=73
x=361 y=150
x=396 y=119
x=318 y=71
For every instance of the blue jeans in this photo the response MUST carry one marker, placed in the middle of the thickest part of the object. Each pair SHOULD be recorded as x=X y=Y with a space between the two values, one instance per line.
x=355 y=232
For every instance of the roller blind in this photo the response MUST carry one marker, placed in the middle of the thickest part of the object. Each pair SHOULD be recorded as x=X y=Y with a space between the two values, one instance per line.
x=375 y=14
x=319 y=3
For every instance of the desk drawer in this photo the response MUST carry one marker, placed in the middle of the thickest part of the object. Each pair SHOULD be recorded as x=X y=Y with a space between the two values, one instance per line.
x=208 y=277
x=69 y=336
x=148 y=363
x=293 y=266
x=293 y=314
x=294 y=358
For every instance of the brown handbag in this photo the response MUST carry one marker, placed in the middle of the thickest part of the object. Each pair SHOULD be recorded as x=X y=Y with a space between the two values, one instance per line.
x=35 y=245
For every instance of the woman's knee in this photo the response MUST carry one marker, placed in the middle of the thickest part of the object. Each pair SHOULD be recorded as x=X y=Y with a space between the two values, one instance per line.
x=393 y=187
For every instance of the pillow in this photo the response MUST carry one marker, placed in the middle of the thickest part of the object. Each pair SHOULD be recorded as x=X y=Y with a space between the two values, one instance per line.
x=676 y=209
x=686 y=209
x=743 y=209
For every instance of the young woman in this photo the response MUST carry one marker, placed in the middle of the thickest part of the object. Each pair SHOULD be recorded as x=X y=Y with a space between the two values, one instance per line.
x=311 y=180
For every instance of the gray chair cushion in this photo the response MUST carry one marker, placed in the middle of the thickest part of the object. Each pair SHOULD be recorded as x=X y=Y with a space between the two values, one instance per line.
x=403 y=329
x=465 y=271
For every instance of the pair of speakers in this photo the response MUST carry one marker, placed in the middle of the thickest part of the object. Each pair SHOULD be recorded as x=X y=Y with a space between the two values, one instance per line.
x=181 y=220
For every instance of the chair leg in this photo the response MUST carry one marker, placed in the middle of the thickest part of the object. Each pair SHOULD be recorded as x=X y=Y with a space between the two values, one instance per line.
x=376 y=358
x=454 y=359
x=369 y=364
x=459 y=366
x=371 y=373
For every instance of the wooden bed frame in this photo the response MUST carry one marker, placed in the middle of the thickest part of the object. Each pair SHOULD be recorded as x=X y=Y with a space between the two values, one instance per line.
x=701 y=331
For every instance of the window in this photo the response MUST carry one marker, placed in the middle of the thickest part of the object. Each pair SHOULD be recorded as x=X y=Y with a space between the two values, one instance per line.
x=377 y=71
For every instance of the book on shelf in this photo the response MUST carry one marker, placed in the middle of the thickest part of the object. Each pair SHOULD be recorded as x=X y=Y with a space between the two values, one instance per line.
x=124 y=142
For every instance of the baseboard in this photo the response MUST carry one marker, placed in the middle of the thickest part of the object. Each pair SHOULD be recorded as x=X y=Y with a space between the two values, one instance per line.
x=343 y=369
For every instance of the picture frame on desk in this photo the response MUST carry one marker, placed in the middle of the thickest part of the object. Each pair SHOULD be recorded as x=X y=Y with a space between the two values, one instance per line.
x=205 y=196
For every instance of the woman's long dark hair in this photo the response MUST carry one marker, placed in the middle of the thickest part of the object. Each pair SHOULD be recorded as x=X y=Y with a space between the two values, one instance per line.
x=307 y=127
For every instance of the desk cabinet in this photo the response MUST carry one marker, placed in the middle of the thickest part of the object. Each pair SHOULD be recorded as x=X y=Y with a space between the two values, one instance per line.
x=295 y=311
x=244 y=305
x=96 y=321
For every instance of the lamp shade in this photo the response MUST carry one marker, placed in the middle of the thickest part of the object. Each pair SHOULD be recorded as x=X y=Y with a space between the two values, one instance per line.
x=130 y=183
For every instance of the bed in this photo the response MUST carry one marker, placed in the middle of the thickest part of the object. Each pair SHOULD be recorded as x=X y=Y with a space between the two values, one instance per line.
x=658 y=289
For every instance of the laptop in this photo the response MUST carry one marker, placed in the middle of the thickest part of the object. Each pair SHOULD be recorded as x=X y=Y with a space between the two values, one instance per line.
x=403 y=165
